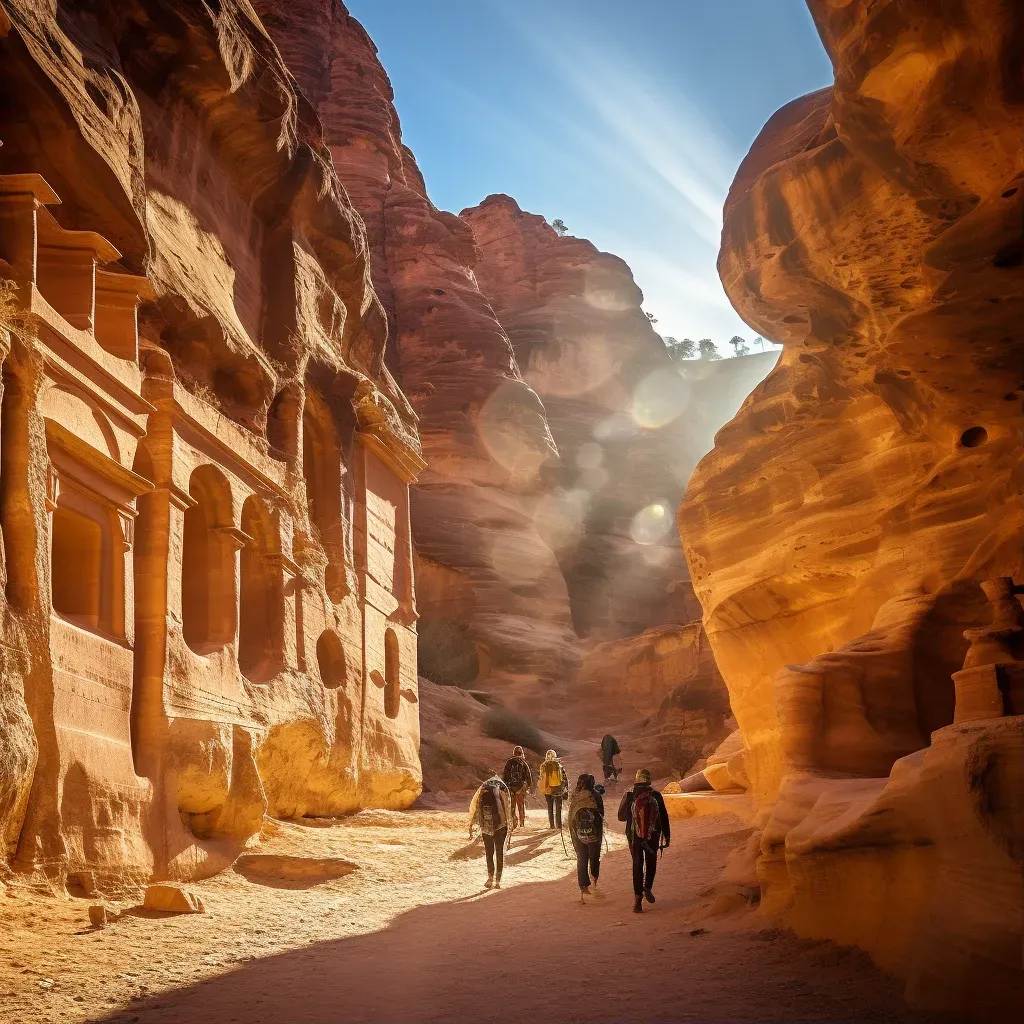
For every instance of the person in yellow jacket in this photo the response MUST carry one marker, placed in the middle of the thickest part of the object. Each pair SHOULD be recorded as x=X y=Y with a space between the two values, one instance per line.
x=554 y=784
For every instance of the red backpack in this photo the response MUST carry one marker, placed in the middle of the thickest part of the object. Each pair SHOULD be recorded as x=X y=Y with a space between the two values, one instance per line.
x=646 y=815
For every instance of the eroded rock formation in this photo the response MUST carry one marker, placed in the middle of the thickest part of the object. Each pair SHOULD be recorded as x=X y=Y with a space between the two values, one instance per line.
x=838 y=533
x=208 y=605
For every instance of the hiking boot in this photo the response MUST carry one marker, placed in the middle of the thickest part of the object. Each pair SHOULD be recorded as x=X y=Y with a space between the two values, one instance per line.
x=497 y=883
x=638 y=905
x=648 y=895
x=489 y=884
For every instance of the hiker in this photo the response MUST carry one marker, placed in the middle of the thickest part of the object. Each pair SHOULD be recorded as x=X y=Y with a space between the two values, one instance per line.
x=609 y=751
x=490 y=810
x=519 y=779
x=647 y=831
x=586 y=829
x=554 y=784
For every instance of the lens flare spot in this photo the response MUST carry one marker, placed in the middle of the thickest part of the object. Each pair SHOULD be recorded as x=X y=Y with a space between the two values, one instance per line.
x=660 y=398
x=590 y=456
x=559 y=517
x=651 y=524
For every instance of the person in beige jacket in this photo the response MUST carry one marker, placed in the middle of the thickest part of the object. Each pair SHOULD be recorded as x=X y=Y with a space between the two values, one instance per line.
x=490 y=810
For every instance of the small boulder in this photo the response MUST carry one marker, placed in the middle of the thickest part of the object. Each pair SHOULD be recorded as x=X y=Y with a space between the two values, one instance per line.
x=170 y=899
x=98 y=915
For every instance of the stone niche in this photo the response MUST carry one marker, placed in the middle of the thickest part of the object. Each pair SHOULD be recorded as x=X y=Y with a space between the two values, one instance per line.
x=840 y=532
x=207 y=612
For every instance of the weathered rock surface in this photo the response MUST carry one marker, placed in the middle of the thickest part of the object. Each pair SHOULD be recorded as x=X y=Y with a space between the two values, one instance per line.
x=481 y=562
x=838 y=532
x=204 y=462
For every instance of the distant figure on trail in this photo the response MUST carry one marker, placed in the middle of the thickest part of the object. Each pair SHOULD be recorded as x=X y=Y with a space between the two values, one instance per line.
x=586 y=830
x=519 y=779
x=554 y=784
x=647 y=831
x=609 y=751
x=490 y=810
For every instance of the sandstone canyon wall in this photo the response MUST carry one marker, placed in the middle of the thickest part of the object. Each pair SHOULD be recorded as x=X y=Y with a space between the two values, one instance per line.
x=207 y=611
x=838 y=533
x=483 y=570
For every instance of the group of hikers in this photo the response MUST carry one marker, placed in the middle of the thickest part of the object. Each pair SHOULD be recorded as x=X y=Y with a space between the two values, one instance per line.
x=499 y=807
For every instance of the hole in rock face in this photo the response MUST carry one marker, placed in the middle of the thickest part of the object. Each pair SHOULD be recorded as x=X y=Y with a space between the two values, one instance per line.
x=330 y=656
x=1009 y=256
x=973 y=436
x=1010 y=192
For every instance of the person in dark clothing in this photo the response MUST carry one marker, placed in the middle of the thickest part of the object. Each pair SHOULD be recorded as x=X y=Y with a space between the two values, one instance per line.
x=519 y=779
x=586 y=829
x=647 y=831
x=609 y=751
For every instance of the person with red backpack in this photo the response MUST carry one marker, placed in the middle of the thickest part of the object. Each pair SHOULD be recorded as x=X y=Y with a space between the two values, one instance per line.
x=519 y=779
x=647 y=832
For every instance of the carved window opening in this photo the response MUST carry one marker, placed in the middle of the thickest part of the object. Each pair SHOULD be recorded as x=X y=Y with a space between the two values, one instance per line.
x=261 y=605
x=208 y=615
x=79 y=576
x=330 y=656
x=322 y=468
x=392 y=675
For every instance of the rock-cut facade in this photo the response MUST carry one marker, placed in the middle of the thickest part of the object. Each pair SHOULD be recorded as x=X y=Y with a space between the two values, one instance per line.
x=207 y=611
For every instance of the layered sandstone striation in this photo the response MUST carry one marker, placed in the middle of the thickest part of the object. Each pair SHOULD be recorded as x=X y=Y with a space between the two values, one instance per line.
x=838 y=533
x=208 y=608
x=483 y=570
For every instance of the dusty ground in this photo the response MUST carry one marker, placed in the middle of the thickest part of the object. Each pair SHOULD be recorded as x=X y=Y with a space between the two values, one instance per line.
x=412 y=936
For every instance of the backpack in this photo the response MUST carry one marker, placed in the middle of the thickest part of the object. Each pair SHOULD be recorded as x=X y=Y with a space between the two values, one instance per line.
x=553 y=775
x=490 y=811
x=584 y=820
x=516 y=773
x=646 y=816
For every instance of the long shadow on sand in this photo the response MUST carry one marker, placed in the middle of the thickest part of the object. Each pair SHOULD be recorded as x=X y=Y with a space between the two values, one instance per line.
x=533 y=953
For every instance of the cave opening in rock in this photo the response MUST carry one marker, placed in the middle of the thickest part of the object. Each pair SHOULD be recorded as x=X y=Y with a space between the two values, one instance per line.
x=973 y=437
x=261 y=595
x=208 y=617
x=330 y=657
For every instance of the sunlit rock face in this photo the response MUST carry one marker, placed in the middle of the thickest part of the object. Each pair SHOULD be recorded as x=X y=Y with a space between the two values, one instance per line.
x=207 y=612
x=838 y=532
x=483 y=568
x=617 y=407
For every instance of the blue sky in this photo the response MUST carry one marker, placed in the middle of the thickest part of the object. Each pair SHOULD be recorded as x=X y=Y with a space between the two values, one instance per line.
x=626 y=120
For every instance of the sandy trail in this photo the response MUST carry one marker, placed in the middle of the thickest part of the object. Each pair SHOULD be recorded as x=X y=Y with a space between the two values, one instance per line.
x=411 y=936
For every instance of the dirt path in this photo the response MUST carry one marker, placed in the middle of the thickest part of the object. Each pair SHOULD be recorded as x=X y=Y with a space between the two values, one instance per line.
x=411 y=936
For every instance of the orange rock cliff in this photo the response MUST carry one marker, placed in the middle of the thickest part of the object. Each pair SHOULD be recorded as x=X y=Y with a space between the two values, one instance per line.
x=839 y=532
